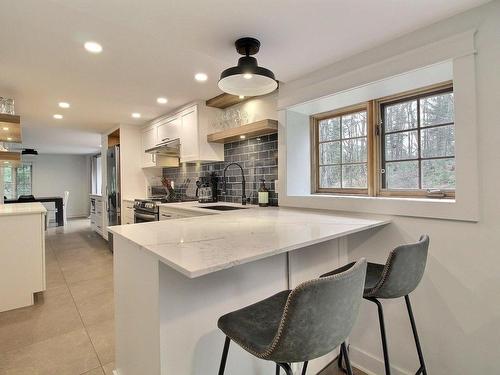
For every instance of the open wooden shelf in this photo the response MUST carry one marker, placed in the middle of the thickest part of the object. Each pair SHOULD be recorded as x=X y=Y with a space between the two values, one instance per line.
x=223 y=101
x=255 y=129
x=10 y=128
x=10 y=159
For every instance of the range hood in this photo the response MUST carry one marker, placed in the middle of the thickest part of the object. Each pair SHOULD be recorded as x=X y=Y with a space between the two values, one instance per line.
x=168 y=148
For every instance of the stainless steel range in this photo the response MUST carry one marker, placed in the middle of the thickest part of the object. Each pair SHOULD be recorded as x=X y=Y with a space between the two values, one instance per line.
x=146 y=210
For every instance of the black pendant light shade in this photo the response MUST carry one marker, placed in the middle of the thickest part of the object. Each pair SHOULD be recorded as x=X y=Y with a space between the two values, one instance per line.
x=29 y=151
x=247 y=78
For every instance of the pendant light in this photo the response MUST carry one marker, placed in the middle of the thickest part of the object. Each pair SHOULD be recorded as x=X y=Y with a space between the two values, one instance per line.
x=247 y=78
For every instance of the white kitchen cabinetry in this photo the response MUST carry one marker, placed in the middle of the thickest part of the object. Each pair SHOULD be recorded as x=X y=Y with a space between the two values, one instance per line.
x=96 y=213
x=128 y=212
x=22 y=254
x=168 y=130
x=191 y=125
x=169 y=213
x=151 y=136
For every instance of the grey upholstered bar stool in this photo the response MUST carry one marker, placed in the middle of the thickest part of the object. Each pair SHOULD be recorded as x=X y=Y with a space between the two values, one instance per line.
x=298 y=325
x=398 y=277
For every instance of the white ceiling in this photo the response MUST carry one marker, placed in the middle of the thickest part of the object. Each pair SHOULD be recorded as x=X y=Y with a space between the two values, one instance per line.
x=153 y=48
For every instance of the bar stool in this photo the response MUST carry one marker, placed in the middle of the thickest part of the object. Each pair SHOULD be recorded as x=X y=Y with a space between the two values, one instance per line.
x=301 y=324
x=398 y=277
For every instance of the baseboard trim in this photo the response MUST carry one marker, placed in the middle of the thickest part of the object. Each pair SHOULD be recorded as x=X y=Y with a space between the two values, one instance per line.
x=370 y=364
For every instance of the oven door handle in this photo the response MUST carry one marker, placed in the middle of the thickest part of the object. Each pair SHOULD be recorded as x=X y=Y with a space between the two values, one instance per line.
x=149 y=217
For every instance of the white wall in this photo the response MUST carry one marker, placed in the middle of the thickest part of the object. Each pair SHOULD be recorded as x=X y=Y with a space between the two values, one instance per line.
x=55 y=173
x=457 y=304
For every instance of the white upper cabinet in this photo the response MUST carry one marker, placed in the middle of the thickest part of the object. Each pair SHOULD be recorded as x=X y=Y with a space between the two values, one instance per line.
x=168 y=130
x=191 y=125
x=190 y=149
x=149 y=137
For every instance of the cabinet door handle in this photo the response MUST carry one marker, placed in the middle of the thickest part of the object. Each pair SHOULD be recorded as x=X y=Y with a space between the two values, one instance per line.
x=164 y=139
x=166 y=215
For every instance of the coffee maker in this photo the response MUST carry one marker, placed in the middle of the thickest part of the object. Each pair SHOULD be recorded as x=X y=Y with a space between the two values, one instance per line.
x=207 y=188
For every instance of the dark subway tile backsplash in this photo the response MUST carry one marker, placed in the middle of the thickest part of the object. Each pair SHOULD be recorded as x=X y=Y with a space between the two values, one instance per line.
x=257 y=156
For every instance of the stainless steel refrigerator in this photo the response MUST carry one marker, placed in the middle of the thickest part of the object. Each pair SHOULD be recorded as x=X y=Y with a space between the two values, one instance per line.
x=113 y=186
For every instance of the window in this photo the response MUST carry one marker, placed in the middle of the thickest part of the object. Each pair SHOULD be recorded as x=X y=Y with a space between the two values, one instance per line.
x=418 y=144
x=17 y=181
x=408 y=141
x=96 y=174
x=342 y=151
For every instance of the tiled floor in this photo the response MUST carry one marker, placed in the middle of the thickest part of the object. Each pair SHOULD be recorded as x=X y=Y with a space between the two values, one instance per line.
x=70 y=328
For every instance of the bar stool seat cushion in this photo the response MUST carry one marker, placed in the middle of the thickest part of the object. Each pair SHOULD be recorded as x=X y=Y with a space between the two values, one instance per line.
x=254 y=327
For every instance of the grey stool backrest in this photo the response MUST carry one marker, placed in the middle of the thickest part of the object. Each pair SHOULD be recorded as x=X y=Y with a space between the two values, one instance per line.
x=403 y=270
x=319 y=315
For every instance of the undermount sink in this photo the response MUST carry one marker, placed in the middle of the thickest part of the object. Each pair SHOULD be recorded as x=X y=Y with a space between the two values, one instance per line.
x=223 y=208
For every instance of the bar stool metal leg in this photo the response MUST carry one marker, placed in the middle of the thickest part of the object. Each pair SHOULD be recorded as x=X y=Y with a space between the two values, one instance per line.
x=422 y=370
x=277 y=369
x=345 y=354
x=382 y=333
x=224 y=356
x=286 y=367
x=304 y=368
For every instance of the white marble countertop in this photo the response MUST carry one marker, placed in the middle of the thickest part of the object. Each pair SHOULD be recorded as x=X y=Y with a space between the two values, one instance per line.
x=197 y=246
x=22 y=209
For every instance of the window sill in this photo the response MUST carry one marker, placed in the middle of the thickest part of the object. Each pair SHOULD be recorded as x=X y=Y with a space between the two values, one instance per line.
x=432 y=208
x=380 y=198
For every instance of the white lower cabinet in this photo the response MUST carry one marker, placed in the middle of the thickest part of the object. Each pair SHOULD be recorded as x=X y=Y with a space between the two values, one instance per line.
x=169 y=213
x=22 y=257
x=128 y=212
x=96 y=214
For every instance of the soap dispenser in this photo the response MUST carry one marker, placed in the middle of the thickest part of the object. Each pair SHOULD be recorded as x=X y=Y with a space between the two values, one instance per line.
x=263 y=194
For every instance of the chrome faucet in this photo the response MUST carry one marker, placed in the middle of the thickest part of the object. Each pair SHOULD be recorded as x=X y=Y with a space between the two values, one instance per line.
x=243 y=196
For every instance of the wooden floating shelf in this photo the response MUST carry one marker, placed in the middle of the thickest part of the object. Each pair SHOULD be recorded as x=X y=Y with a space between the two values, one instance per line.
x=10 y=128
x=255 y=129
x=10 y=159
x=223 y=101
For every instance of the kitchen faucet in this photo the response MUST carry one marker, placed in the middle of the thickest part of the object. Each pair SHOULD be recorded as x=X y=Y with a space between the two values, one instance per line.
x=243 y=196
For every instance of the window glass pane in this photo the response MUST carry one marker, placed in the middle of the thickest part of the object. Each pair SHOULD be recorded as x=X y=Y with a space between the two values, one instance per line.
x=354 y=176
x=329 y=129
x=329 y=153
x=438 y=174
x=354 y=125
x=401 y=175
x=401 y=116
x=436 y=109
x=438 y=141
x=401 y=145
x=329 y=176
x=7 y=174
x=354 y=150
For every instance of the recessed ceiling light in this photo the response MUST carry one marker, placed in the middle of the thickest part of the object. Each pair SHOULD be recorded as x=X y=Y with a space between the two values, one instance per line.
x=64 y=105
x=93 y=47
x=162 y=100
x=136 y=115
x=200 y=77
x=5 y=128
x=58 y=116
x=242 y=96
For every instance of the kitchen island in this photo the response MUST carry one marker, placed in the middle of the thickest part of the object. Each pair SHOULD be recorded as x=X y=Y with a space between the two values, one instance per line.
x=173 y=279
x=22 y=254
